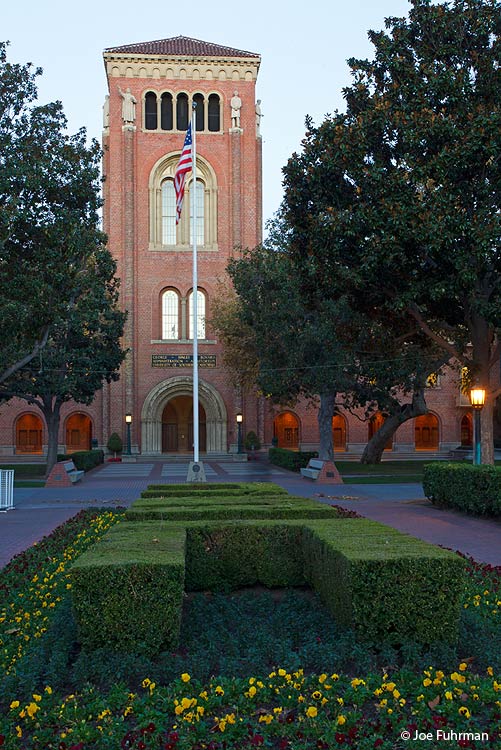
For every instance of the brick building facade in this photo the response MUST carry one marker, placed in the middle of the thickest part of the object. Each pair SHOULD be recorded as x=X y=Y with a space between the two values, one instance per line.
x=152 y=87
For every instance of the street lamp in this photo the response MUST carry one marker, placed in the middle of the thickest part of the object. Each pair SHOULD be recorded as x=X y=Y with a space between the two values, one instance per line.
x=477 y=398
x=128 y=422
x=240 y=418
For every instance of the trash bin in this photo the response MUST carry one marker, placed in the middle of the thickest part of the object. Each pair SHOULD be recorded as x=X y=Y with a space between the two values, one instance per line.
x=6 y=489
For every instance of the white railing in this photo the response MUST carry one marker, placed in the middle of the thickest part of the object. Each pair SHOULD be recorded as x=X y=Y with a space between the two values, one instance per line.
x=6 y=490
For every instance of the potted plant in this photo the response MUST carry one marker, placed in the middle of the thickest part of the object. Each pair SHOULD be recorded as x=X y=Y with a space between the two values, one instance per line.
x=251 y=442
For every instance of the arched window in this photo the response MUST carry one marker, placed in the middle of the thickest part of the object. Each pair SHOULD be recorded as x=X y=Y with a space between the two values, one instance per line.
x=286 y=430
x=29 y=431
x=170 y=314
x=198 y=99
x=168 y=213
x=198 y=196
x=467 y=431
x=426 y=432
x=339 y=432
x=166 y=118
x=165 y=234
x=200 y=315
x=150 y=111
x=182 y=112
x=214 y=113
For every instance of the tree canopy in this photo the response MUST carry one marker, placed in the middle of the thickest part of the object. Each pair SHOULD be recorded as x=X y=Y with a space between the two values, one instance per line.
x=395 y=202
x=49 y=201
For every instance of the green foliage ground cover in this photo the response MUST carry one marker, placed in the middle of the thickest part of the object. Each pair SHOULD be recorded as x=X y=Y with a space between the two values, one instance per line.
x=254 y=669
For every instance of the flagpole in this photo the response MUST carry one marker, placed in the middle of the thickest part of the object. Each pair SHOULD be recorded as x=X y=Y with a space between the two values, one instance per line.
x=195 y=290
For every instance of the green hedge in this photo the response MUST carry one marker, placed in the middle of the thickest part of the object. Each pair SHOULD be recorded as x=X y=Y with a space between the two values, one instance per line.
x=292 y=460
x=83 y=460
x=230 y=512
x=225 y=489
x=219 y=558
x=471 y=489
x=128 y=589
x=387 y=585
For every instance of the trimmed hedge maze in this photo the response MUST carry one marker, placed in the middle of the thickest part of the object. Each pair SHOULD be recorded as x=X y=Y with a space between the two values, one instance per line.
x=128 y=589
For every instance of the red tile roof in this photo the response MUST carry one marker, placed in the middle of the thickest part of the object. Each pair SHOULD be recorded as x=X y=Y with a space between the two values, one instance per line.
x=181 y=45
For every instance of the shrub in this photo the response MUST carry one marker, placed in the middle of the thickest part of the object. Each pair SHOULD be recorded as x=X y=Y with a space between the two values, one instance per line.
x=471 y=489
x=115 y=444
x=292 y=460
x=252 y=442
x=83 y=460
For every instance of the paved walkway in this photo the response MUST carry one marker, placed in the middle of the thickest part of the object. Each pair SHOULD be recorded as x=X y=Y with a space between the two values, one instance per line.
x=38 y=511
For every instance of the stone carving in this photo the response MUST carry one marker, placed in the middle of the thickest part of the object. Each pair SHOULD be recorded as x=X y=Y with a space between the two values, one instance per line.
x=236 y=106
x=106 y=112
x=128 y=106
x=259 y=114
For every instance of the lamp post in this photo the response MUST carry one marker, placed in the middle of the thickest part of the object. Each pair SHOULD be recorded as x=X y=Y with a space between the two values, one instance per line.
x=240 y=419
x=128 y=422
x=477 y=398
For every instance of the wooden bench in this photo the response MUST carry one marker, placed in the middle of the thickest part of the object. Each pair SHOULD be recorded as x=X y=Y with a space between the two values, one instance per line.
x=315 y=466
x=73 y=473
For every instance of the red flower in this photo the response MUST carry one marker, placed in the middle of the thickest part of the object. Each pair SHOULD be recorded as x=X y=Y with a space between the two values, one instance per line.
x=2 y=739
x=378 y=742
x=257 y=740
x=339 y=737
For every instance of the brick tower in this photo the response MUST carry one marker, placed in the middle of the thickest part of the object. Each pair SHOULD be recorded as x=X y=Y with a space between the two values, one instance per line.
x=152 y=87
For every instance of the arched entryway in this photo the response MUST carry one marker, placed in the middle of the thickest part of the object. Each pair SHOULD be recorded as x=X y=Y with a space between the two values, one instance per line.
x=178 y=393
x=78 y=433
x=375 y=422
x=339 y=432
x=177 y=426
x=286 y=430
x=467 y=431
x=29 y=434
x=426 y=433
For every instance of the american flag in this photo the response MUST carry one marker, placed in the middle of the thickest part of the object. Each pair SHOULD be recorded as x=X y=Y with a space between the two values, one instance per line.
x=184 y=165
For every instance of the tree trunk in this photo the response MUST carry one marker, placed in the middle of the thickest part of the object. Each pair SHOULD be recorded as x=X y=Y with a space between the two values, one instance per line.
x=374 y=449
x=52 y=411
x=325 y=414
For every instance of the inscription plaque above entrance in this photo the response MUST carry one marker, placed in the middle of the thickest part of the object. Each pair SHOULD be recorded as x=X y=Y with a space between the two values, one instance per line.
x=182 y=360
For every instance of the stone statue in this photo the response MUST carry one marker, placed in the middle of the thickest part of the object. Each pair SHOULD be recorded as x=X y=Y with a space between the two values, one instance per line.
x=106 y=111
x=128 y=106
x=258 y=117
x=236 y=105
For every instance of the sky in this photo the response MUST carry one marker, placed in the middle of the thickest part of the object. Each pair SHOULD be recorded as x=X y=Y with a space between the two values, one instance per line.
x=304 y=47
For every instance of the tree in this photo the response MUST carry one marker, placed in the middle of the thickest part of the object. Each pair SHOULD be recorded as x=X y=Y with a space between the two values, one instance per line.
x=49 y=197
x=280 y=333
x=397 y=199
x=83 y=351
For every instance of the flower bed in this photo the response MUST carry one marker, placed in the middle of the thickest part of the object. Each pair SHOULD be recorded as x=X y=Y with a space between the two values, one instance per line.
x=309 y=703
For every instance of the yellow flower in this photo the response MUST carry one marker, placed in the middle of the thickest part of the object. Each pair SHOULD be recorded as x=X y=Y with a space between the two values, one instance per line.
x=316 y=695
x=490 y=671
x=463 y=666
x=37 y=698
x=282 y=672
x=48 y=690
x=252 y=691
x=146 y=682
x=178 y=710
x=14 y=704
x=219 y=690
x=341 y=720
x=19 y=731
x=464 y=712
x=311 y=711
x=448 y=695
x=396 y=694
x=31 y=709
x=322 y=678
x=185 y=677
x=426 y=681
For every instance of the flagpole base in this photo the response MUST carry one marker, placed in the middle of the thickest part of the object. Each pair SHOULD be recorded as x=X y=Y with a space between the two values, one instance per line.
x=196 y=472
